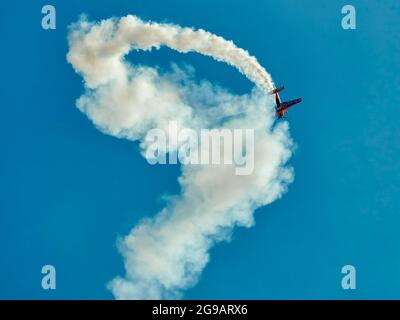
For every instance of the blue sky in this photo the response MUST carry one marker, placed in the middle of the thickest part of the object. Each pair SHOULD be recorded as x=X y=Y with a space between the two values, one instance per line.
x=68 y=191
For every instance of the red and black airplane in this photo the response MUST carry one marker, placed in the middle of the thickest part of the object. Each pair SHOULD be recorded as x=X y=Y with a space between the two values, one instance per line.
x=282 y=107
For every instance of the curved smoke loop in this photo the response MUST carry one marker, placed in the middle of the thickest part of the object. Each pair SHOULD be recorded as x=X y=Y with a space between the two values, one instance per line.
x=165 y=255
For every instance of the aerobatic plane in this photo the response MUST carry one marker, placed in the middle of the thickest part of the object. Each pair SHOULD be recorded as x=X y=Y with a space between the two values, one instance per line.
x=282 y=107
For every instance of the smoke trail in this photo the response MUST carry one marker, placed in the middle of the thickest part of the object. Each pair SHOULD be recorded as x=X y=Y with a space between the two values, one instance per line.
x=165 y=254
x=132 y=33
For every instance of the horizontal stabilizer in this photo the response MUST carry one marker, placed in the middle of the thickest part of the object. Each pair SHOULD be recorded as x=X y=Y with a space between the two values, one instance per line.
x=277 y=90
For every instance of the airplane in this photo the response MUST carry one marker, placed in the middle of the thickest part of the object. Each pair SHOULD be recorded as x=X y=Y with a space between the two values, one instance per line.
x=281 y=108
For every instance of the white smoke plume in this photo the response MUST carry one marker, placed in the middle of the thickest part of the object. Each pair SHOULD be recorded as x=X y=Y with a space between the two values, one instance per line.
x=165 y=254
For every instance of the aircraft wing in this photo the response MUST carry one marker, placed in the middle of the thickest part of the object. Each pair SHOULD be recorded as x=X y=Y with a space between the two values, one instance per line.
x=291 y=103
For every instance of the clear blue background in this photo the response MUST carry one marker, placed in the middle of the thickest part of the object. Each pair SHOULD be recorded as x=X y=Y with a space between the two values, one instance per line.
x=67 y=191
